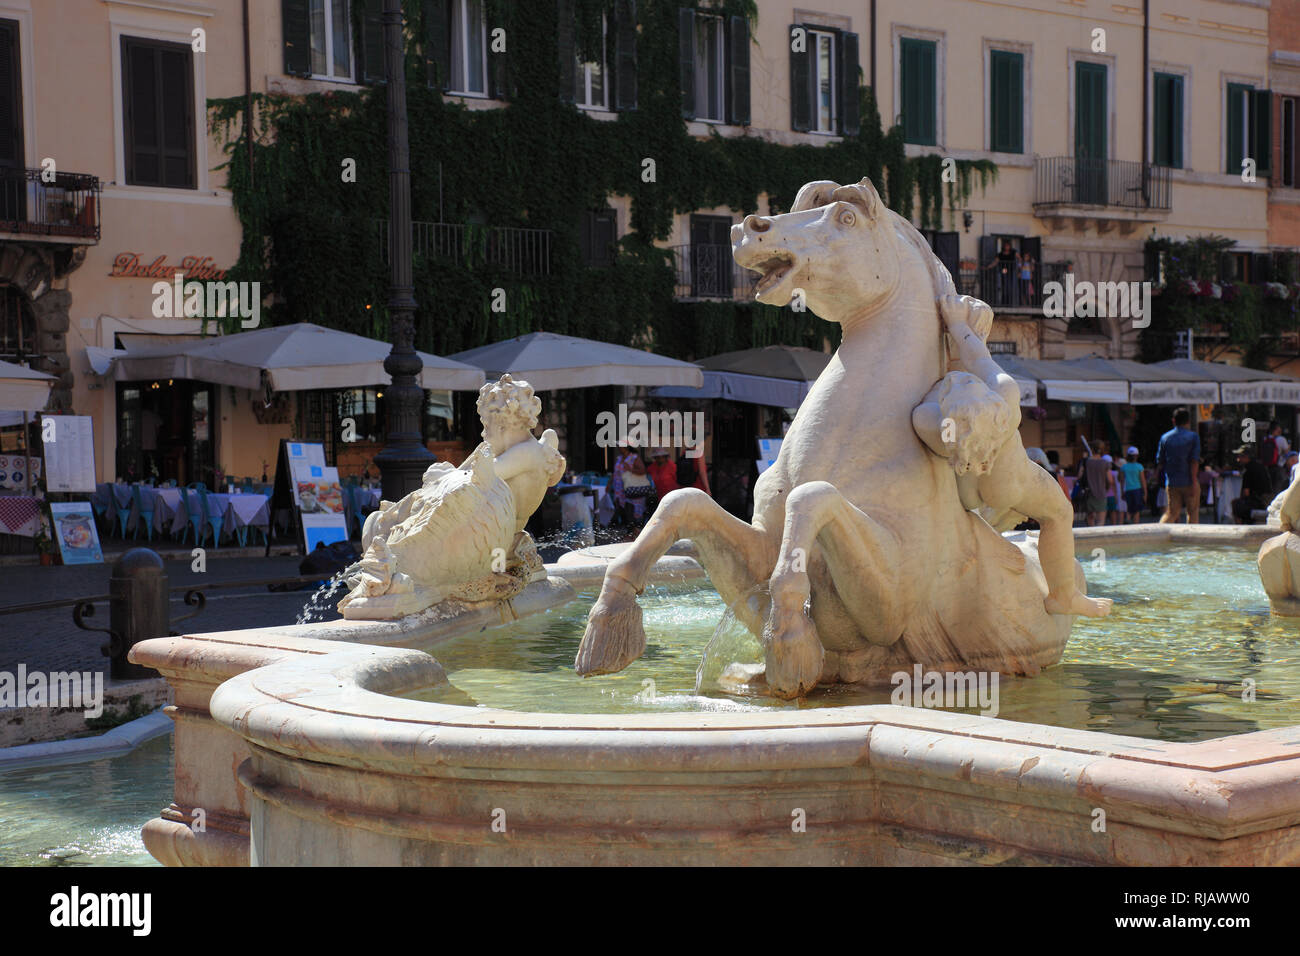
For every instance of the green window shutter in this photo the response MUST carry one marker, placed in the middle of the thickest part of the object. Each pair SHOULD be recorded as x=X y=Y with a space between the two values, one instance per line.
x=1167 y=102
x=370 y=42
x=1261 y=143
x=738 y=71
x=566 y=47
x=437 y=47
x=1237 y=94
x=624 y=71
x=1006 y=102
x=849 y=75
x=801 y=80
x=917 y=89
x=296 y=30
x=686 y=59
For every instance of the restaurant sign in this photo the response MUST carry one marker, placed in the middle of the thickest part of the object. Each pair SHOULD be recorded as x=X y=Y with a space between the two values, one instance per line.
x=128 y=265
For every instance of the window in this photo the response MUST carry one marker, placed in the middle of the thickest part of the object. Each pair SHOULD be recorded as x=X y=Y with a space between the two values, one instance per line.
x=708 y=69
x=17 y=328
x=823 y=80
x=711 y=262
x=331 y=39
x=598 y=236
x=1006 y=101
x=158 y=107
x=1288 y=171
x=1247 y=118
x=714 y=65
x=1167 y=125
x=589 y=79
x=468 y=48
x=918 y=90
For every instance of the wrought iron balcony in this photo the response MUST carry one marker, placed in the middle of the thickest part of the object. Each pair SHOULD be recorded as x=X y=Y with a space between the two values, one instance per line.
x=1075 y=181
x=522 y=251
x=67 y=206
x=707 y=271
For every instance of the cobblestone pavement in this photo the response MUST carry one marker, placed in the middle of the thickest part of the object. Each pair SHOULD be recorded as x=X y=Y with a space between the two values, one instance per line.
x=49 y=640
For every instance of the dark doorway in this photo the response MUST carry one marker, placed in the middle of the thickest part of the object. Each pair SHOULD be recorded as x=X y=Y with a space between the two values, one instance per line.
x=13 y=177
x=166 y=431
x=711 y=263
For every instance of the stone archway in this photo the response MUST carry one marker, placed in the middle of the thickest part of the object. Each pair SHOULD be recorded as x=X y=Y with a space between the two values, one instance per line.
x=39 y=272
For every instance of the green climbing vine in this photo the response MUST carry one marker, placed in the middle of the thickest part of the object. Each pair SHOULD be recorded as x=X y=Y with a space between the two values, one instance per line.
x=315 y=240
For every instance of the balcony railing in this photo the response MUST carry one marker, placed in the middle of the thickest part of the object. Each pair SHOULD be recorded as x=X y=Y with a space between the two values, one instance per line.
x=1074 y=181
x=707 y=271
x=522 y=251
x=67 y=205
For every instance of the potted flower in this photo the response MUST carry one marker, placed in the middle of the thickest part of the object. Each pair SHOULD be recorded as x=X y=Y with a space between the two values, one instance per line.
x=44 y=543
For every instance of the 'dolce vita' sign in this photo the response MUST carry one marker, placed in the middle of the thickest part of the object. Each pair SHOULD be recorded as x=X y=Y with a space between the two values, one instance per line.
x=128 y=265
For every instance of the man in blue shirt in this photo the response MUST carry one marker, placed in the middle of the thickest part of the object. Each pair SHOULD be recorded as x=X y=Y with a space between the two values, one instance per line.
x=1179 y=456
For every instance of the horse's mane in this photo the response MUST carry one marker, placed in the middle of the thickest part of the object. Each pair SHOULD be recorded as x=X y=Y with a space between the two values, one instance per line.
x=939 y=274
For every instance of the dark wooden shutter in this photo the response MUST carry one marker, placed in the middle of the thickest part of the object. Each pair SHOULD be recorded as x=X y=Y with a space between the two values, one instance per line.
x=176 y=106
x=1261 y=267
x=846 y=56
x=437 y=45
x=801 y=80
x=11 y=98
x=1006 y=102
x=500 y=72
x=624 y=71
x=158 y=113
x=686 y=59
x=738 y=71
x=1236 y=110
x=1168 y=120
x=566 y=48
x=1261 y=122
x=296 y=30
x=918 y=90
x=1176 y=119
x=947 y=248
x=370 y=42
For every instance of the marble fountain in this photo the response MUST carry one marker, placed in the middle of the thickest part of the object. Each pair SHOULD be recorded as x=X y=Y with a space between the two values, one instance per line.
x=875 y=551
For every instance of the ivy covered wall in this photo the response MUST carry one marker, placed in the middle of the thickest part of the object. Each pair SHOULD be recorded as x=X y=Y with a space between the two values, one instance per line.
x=539 y=162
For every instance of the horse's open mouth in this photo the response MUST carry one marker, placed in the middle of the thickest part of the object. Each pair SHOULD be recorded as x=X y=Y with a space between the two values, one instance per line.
x=773 y=270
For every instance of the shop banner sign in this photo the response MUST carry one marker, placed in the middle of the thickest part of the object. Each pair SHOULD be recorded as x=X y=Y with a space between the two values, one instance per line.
x=1173 y=393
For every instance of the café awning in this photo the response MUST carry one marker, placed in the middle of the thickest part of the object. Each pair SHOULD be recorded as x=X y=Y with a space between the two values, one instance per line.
x=1066 y=381
x=288 y=358
x=548 y=361
x=1239 y=385
x=776 y=375
x=23 y=389
x=1153 y=384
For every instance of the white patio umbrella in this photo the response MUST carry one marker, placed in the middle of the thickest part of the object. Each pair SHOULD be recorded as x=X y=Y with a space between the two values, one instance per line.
x=23 y=389
x=548 y=361
x=290 y=358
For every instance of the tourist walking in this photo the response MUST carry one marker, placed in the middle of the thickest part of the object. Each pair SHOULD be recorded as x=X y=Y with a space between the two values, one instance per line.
x=1096 y=472
x=1135 y=484
x=1179 y=457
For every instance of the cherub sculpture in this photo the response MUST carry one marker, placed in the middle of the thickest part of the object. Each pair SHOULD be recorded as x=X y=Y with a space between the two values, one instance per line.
x=461 y=534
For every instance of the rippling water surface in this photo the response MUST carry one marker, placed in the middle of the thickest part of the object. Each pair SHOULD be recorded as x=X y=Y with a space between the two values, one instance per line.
x=1190 y=625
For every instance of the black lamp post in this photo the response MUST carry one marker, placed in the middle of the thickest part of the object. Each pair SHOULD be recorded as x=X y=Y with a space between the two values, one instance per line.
x=404 y=457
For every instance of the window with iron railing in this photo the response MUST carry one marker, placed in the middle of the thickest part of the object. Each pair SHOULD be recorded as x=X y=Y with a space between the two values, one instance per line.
x=17 y=328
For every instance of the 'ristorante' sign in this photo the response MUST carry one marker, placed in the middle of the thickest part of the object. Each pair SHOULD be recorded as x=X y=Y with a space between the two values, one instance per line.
x=127 y=265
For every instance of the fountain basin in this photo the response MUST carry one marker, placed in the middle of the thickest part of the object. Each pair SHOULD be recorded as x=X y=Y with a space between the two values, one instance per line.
x=301 y=753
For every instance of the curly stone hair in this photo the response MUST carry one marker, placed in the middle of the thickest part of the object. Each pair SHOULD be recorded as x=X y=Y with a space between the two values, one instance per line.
x=514 y=400
x=983 y=421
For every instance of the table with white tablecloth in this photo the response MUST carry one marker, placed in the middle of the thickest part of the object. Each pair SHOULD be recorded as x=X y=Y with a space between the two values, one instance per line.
x=1226 y=489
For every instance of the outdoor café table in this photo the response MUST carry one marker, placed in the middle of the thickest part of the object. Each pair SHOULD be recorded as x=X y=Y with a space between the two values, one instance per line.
x=218 y=504
x=1229 y=487
x=166 y=502
x=248 y=511
x=20 y=514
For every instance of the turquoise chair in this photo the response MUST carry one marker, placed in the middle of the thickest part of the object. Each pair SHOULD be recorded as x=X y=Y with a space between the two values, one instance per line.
x=123 y=516
x=193 y=519
x=213 y=521
x=143 y=515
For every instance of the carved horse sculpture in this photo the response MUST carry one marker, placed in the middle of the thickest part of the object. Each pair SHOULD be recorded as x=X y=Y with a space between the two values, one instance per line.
x=872 y=562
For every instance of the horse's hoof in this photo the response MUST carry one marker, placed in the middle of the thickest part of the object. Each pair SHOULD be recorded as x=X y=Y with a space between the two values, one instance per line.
x=794 y=655
x=614 y=638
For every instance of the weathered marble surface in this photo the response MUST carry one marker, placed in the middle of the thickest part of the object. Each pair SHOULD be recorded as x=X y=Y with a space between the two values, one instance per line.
x=1279 y=556
x=302 y=757
x=872 y=559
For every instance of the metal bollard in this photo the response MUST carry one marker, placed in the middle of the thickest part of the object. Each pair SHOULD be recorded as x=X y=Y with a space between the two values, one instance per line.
x=138 y=609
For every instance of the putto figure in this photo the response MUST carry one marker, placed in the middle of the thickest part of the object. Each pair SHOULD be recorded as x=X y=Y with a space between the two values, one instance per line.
x=461 y=535
x=870 y=559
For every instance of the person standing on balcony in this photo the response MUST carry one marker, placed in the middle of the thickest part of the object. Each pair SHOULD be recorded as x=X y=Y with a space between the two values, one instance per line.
x=1026 y=280
x=1004 y=277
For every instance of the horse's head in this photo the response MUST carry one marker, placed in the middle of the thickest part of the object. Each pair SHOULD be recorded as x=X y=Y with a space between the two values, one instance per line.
x=837 y=243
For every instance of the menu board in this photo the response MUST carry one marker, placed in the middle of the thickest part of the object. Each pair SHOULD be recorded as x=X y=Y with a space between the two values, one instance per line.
x=69 y=453
x=318 y=529
x=74 y=529
x=306 y=466
x=320 y=495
